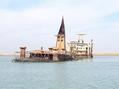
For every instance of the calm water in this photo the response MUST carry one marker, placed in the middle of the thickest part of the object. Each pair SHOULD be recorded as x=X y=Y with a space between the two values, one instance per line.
x=99 y=73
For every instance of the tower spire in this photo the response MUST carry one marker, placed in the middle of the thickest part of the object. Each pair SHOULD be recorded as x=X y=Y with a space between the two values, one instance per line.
x=62 y=28
x=60 y=43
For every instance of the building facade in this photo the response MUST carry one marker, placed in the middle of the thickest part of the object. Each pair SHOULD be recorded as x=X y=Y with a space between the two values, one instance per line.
x=81 y=48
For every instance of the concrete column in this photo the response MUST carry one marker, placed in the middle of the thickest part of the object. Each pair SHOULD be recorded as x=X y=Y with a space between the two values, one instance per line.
x=22 y=52
x=86 y=51
x=91 y=48
x=91 y=52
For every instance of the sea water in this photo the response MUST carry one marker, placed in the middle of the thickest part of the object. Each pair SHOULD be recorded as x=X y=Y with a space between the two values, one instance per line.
x=101 y=72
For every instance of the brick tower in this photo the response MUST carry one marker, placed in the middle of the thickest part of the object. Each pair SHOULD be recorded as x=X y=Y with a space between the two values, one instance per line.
x=61 y=41
x=22 y=52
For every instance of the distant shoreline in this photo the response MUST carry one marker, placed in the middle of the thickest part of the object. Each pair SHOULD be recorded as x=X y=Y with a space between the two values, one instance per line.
x=106 y=54
x=9 y=54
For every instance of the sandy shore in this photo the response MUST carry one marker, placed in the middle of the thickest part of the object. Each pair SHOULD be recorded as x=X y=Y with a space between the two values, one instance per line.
x=106 y=54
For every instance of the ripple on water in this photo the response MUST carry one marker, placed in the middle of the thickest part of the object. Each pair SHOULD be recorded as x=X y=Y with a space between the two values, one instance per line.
x=84 y=74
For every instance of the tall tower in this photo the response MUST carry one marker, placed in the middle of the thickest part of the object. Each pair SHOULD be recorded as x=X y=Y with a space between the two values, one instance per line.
x=61 y=41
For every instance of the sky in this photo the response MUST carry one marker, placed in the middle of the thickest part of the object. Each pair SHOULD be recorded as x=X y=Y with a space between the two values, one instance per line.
x=34 y=23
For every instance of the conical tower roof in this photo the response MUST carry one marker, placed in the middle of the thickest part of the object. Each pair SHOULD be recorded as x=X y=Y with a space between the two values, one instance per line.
x=62 y=28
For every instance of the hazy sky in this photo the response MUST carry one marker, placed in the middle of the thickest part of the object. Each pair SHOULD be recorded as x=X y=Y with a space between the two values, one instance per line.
x=33 y=23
